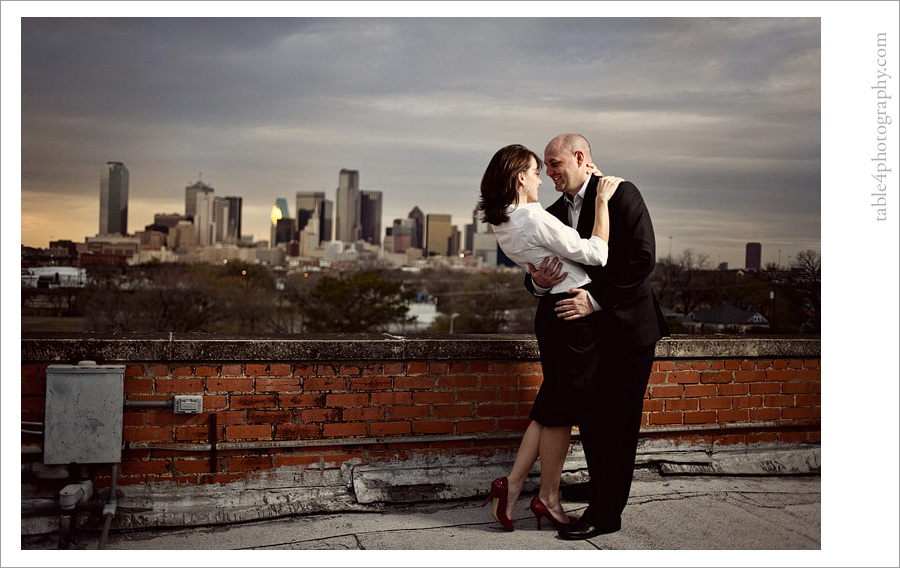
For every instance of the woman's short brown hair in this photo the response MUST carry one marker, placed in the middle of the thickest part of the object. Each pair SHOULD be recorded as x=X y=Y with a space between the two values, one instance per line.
x=500 y=180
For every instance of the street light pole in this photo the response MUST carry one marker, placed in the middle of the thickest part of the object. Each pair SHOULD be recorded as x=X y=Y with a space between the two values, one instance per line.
x=772 y=323
x=452 y=317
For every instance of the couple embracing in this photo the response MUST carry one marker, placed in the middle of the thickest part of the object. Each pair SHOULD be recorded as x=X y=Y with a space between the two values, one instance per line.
x=589 y=257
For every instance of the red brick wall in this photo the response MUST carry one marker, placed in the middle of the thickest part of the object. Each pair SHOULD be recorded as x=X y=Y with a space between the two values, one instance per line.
x=371 y=412
x=780 y=396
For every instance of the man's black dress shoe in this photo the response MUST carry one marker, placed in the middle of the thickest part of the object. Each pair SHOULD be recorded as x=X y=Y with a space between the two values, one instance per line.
x=583 y=529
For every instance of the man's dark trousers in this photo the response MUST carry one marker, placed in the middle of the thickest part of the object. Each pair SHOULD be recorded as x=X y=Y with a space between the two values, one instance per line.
x=610 y=430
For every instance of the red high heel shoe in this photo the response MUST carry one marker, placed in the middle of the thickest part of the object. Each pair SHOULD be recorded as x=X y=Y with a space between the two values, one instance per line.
x=541 y=510
x=499 y=493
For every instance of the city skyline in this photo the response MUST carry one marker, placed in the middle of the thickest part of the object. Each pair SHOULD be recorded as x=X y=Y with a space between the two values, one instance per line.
x=695 y=111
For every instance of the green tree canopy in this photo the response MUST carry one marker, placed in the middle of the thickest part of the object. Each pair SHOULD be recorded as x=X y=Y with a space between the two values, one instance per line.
x=357 y=302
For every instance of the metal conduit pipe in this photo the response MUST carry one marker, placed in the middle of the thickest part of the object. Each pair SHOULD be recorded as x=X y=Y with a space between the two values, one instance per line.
x=706 y=428
x=281 y=444
x=109 y=510
x=29 y=425
x=148 y=403
x=728 y=426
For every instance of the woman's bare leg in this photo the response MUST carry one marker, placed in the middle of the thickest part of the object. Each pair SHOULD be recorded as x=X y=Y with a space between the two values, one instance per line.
x=553 y=448
x=529 y=448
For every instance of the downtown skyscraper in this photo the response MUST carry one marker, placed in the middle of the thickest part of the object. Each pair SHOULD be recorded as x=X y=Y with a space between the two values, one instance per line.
x=314 y=219
x=190 y=197
x=439 y=234
x=211 y=219
x=114 y=199
x=282 y=224
x=235 y=213
x=347 y=222
x=418 y=236
x=753 y=259
x=370 y=205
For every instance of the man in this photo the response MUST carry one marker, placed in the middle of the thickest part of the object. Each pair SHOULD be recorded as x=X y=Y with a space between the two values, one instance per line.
x=630 y=323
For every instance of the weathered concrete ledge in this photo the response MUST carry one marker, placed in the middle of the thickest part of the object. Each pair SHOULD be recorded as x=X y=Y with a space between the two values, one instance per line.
x=167 y=347
x=293 y=490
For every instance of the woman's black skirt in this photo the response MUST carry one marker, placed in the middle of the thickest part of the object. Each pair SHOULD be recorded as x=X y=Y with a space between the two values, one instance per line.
x=570 y=361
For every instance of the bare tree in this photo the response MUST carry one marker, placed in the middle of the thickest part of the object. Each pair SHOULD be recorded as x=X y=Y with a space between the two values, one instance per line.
x=805 y=286
x=682 y=283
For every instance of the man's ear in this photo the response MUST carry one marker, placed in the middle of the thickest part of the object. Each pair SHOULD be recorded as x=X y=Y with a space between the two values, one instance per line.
x=579 y=158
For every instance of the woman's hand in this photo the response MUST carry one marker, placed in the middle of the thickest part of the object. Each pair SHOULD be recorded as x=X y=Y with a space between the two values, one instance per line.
x=592 y=169
x=548 y=274
x=607 y=187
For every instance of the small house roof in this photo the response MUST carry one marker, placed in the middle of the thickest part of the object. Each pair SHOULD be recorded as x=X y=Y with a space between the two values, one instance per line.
x=725 y=314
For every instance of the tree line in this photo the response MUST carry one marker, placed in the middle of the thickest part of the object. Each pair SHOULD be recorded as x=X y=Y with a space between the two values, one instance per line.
x=789 y=298
x=236 y=298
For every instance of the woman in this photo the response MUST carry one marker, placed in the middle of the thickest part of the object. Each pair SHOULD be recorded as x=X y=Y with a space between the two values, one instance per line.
x=527 y=234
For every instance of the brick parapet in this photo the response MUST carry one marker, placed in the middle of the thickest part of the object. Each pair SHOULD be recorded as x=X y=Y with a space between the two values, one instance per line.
x=326 y=402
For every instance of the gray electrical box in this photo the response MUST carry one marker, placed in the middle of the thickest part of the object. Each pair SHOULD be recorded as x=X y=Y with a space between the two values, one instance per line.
x=188 y=404
x=83 y=413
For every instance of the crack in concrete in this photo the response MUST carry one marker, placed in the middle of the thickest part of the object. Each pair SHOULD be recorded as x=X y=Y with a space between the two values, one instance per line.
x=356 y=535
x=359 y=543
x=797 y=525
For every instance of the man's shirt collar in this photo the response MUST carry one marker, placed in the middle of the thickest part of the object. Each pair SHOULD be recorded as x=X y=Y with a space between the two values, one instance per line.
x=578 y=196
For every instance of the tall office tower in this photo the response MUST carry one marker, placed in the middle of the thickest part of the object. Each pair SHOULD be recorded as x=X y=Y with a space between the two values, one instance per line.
x=220 y=218
x=279 y=211
x=210 y=219
x=418 y=238
x=285 y=232
x=235 y=212
x=190 y=197
x=203 y=219
x=480 y=226
x=347 y=215
x=370 y=204
x=477 y=227
x=438 y=231
x=455 y=241
x=114 y=199
x=484 y=246
x=310 y=212
x=754 y=257
x=327 y=221
x=470 y=237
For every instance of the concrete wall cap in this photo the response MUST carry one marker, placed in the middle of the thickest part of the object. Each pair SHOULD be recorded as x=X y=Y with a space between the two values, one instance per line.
x=166 y=347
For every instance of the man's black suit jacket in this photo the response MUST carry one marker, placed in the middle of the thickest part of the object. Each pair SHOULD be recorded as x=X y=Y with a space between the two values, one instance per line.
x=622 y=287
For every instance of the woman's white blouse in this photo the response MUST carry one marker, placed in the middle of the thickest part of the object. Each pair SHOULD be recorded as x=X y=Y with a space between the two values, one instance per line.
x=532 y=234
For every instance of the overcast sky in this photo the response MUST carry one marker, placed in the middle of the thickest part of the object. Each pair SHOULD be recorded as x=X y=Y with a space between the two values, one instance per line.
x=716 y=120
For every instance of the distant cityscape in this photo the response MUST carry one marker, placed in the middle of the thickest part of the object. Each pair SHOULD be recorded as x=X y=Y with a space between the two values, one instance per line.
x=320 y=233
x=428 y=255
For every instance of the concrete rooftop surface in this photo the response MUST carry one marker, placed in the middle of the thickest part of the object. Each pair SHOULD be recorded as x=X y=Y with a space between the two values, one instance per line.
x=665 y=513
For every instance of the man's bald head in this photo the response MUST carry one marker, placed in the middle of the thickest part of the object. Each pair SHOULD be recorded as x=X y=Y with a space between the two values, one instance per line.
x=567 y=157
